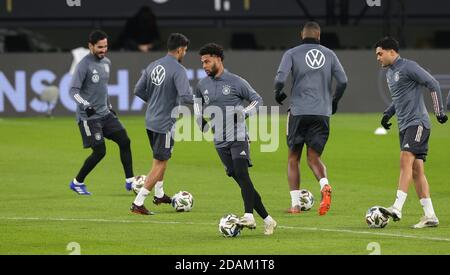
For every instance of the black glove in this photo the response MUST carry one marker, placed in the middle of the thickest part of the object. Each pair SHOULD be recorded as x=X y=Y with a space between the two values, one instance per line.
x=239 y=116
x=90 y=111
x=204 y=126
x=385 y=122
x=112 y=111
x=442 y=118
x=279 y=97
x=334 y=107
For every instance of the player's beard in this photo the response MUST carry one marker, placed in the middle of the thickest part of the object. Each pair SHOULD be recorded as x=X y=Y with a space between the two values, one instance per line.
x=213 y=71
x=98 y=55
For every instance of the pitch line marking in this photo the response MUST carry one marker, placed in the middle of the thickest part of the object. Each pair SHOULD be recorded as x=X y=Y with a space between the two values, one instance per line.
x=197 y=223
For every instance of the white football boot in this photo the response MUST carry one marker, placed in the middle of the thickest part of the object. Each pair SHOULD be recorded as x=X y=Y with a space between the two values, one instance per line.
x=427 y=222
x=247 y=222
x=392 y=212
x=270 y=227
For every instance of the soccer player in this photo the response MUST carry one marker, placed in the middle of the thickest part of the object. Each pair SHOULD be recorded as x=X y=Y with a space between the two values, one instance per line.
x=95 y=117
x=406 y=80
x=227 y=93
x=162 y=85
x=313 y=67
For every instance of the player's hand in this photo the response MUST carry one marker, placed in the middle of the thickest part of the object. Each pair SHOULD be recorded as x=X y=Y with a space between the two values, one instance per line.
x=90 y=111
x=204 y=125
x=334 y=107
x=279 y=97
x=385 y=122
x=442 y=118
x=239 y=116
x=112 y=111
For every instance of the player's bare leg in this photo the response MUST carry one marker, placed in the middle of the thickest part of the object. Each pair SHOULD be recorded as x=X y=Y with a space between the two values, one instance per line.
x=293 y=173
x=423 y=192
x=156 y=173
x=406 y=176
x=320 y=172
x=420 y=180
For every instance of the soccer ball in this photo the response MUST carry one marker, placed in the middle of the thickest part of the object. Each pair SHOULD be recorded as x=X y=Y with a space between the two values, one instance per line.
x=137 y=183
x=228 y=226
x=306 y=200
x=183 y=201
x=376 y=219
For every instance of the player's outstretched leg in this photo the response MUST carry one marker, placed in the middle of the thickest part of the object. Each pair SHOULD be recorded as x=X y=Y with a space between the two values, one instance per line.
x=269 y=223
x=240 y=167
x=98 y=153
x=156 y=173
x=429 y=218
x=124 y=143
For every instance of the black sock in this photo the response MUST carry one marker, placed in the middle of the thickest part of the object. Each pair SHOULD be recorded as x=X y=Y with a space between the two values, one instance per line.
x=121 y=138
x=259 y=206
x=98 y=152
x=242 y=177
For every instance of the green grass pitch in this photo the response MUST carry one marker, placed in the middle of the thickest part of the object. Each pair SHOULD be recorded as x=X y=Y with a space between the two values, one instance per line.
x=40 y=215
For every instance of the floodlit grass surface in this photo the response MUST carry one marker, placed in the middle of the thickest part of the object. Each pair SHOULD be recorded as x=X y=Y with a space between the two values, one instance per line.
x=39 y=214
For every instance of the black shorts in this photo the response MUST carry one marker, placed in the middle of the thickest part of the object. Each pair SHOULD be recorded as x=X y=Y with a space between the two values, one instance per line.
x=162 y=144
x=310 y=129
x=237 y=149
x=94 y=131
x=414 y=139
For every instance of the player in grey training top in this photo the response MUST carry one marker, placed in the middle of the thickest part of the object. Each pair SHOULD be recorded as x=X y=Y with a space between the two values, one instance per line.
x=163 y=86
x=221 y=97
x=96 y=120
x=406 y=80
x=222 y=92
x=313 y=68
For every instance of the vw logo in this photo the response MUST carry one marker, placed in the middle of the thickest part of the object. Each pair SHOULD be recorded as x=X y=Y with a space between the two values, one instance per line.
x=314 y=59
x=158 y=75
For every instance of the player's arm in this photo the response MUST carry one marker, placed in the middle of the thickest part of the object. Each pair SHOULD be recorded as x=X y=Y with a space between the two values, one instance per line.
x=248 y=93
x=341 y=79
x=387 y=114
x=199 y=101
x=140 y=90
x=183 y=88
x=421 y=76
x=110 y=106
x=109 y=102
x=284 y=69
x=75 y=88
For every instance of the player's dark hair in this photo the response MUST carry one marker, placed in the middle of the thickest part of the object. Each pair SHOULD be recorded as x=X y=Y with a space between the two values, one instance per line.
x=97 y=35
x=311 y=26
x=212 y=49
x=176 y=40
x=388 y=43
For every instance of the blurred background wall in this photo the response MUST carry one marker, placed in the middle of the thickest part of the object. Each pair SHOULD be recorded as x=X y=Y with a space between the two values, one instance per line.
x=37 y=37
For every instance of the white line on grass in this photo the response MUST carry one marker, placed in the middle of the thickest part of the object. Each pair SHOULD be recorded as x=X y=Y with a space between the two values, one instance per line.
x=196 y=223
